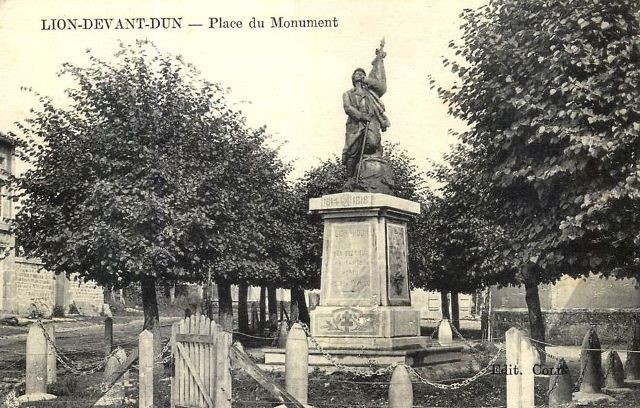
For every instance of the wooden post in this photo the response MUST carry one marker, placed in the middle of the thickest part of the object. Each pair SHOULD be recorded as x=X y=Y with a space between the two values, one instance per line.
x=145 y=378
x=108 y=336
x=400 y=389
x=297 y=363
x=52 y=372
x=254 y=317
x=223 y=369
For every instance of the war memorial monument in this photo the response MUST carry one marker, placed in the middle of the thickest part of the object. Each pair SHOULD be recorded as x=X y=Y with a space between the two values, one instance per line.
x=365 y=314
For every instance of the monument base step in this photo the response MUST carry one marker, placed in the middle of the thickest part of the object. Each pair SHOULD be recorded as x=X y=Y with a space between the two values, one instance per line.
x=415 y=357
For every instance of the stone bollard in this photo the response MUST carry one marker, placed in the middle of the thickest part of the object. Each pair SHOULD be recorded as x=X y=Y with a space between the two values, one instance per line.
x=108 y=336
x=122 y=357
x=400 y=389
x=560 y=385
x=445 y=335
x=52 y=370
x=254 y=317
x=36 y=366
x=521 y=357
x=297 y=363
x=115 y=395
x=591 y=363
x=632 y=365
x=283 y=330
x=314 y=300
x=145 y=364
x=614 y=370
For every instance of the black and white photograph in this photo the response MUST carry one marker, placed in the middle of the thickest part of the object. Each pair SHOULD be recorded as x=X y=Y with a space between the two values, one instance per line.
x=306 y=203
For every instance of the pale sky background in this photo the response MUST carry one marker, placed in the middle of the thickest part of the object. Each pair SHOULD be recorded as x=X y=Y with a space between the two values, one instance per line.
x=291 y=80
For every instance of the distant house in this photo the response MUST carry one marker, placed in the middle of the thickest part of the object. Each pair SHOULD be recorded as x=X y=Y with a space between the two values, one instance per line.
x=24 y=282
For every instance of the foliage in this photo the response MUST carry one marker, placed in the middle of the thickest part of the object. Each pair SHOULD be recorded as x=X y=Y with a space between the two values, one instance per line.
x=146 y=174
x=548 y=89
x=329 y=178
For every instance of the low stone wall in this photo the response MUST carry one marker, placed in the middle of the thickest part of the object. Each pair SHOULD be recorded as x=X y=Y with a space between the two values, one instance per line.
x=569 y=326
x=88 y=293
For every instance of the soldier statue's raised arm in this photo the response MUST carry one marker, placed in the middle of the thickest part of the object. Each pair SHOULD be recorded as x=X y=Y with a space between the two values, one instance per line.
x=366 y=170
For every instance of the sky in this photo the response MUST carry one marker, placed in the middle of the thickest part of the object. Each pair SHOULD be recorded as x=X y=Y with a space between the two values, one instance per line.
x=289 y=79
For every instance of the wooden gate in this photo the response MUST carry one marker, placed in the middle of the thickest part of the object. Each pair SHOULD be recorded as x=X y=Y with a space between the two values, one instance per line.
x=201 y=376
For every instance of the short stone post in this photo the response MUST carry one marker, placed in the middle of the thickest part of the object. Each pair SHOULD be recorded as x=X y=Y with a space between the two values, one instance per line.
x=52 y=370
x=521 y=357
x=591 y=363
x=145 y=362
x=108 y=336
x=560 y=385
x=297 y=363
x=445 y=335
x=400 y=389
x=115 y=394
x=614 y=370
x=36 y=366
x=632 y=365
x=283 y=330
x=314 y=300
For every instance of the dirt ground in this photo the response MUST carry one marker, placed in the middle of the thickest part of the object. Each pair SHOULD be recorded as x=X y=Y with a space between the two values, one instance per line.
x=83 y=341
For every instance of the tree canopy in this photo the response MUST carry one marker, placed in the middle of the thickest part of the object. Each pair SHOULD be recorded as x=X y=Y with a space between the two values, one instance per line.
x=549 y=89
x=147 y=174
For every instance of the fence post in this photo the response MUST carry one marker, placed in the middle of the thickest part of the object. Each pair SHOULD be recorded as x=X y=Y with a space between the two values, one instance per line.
x=282 y=334
x=400 y=389
x=223 y=369
x=528 y=357
x=560 y=385
x=254 y=317
x=297 y=363
x=36 y=366
x=614 y=371
x=115 y=395
x=591 y=363
x=632 y=365
x=521 y=356
x=145 y=362
x=445 y=335
x=108 y=336
x=52 y=373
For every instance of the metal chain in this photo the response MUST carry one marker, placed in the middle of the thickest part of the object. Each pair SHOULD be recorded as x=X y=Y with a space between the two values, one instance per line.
x=392 y=366
x=435 y=331
x=73 y=366
x=457 y=333
x=484 y=371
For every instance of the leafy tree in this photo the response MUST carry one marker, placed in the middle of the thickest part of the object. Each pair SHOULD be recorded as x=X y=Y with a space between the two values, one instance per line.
x=549 y=89
x=454 y=247
x=328 y=178
x=142 y=177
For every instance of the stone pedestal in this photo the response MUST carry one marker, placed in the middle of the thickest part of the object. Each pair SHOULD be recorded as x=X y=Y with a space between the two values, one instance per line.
x=365 y=301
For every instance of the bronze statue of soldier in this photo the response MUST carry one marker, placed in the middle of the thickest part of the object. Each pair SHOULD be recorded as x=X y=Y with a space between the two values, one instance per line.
x=362 y=153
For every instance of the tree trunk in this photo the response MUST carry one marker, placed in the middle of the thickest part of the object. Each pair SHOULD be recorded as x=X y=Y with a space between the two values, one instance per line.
x=536 y=321
x=455 y=310
x=243 y=310
x=297 y=297
x=444 y=305
x=149 y=302
x=263 y=308
x=225 y=305
x=172 y=294
x=273 y=304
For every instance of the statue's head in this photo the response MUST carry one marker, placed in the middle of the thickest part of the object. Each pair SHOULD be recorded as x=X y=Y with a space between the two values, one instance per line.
x=358 y=75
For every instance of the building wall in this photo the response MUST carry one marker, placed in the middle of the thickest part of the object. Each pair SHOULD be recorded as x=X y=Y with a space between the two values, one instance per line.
x=32 y=284
x=27 y=282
